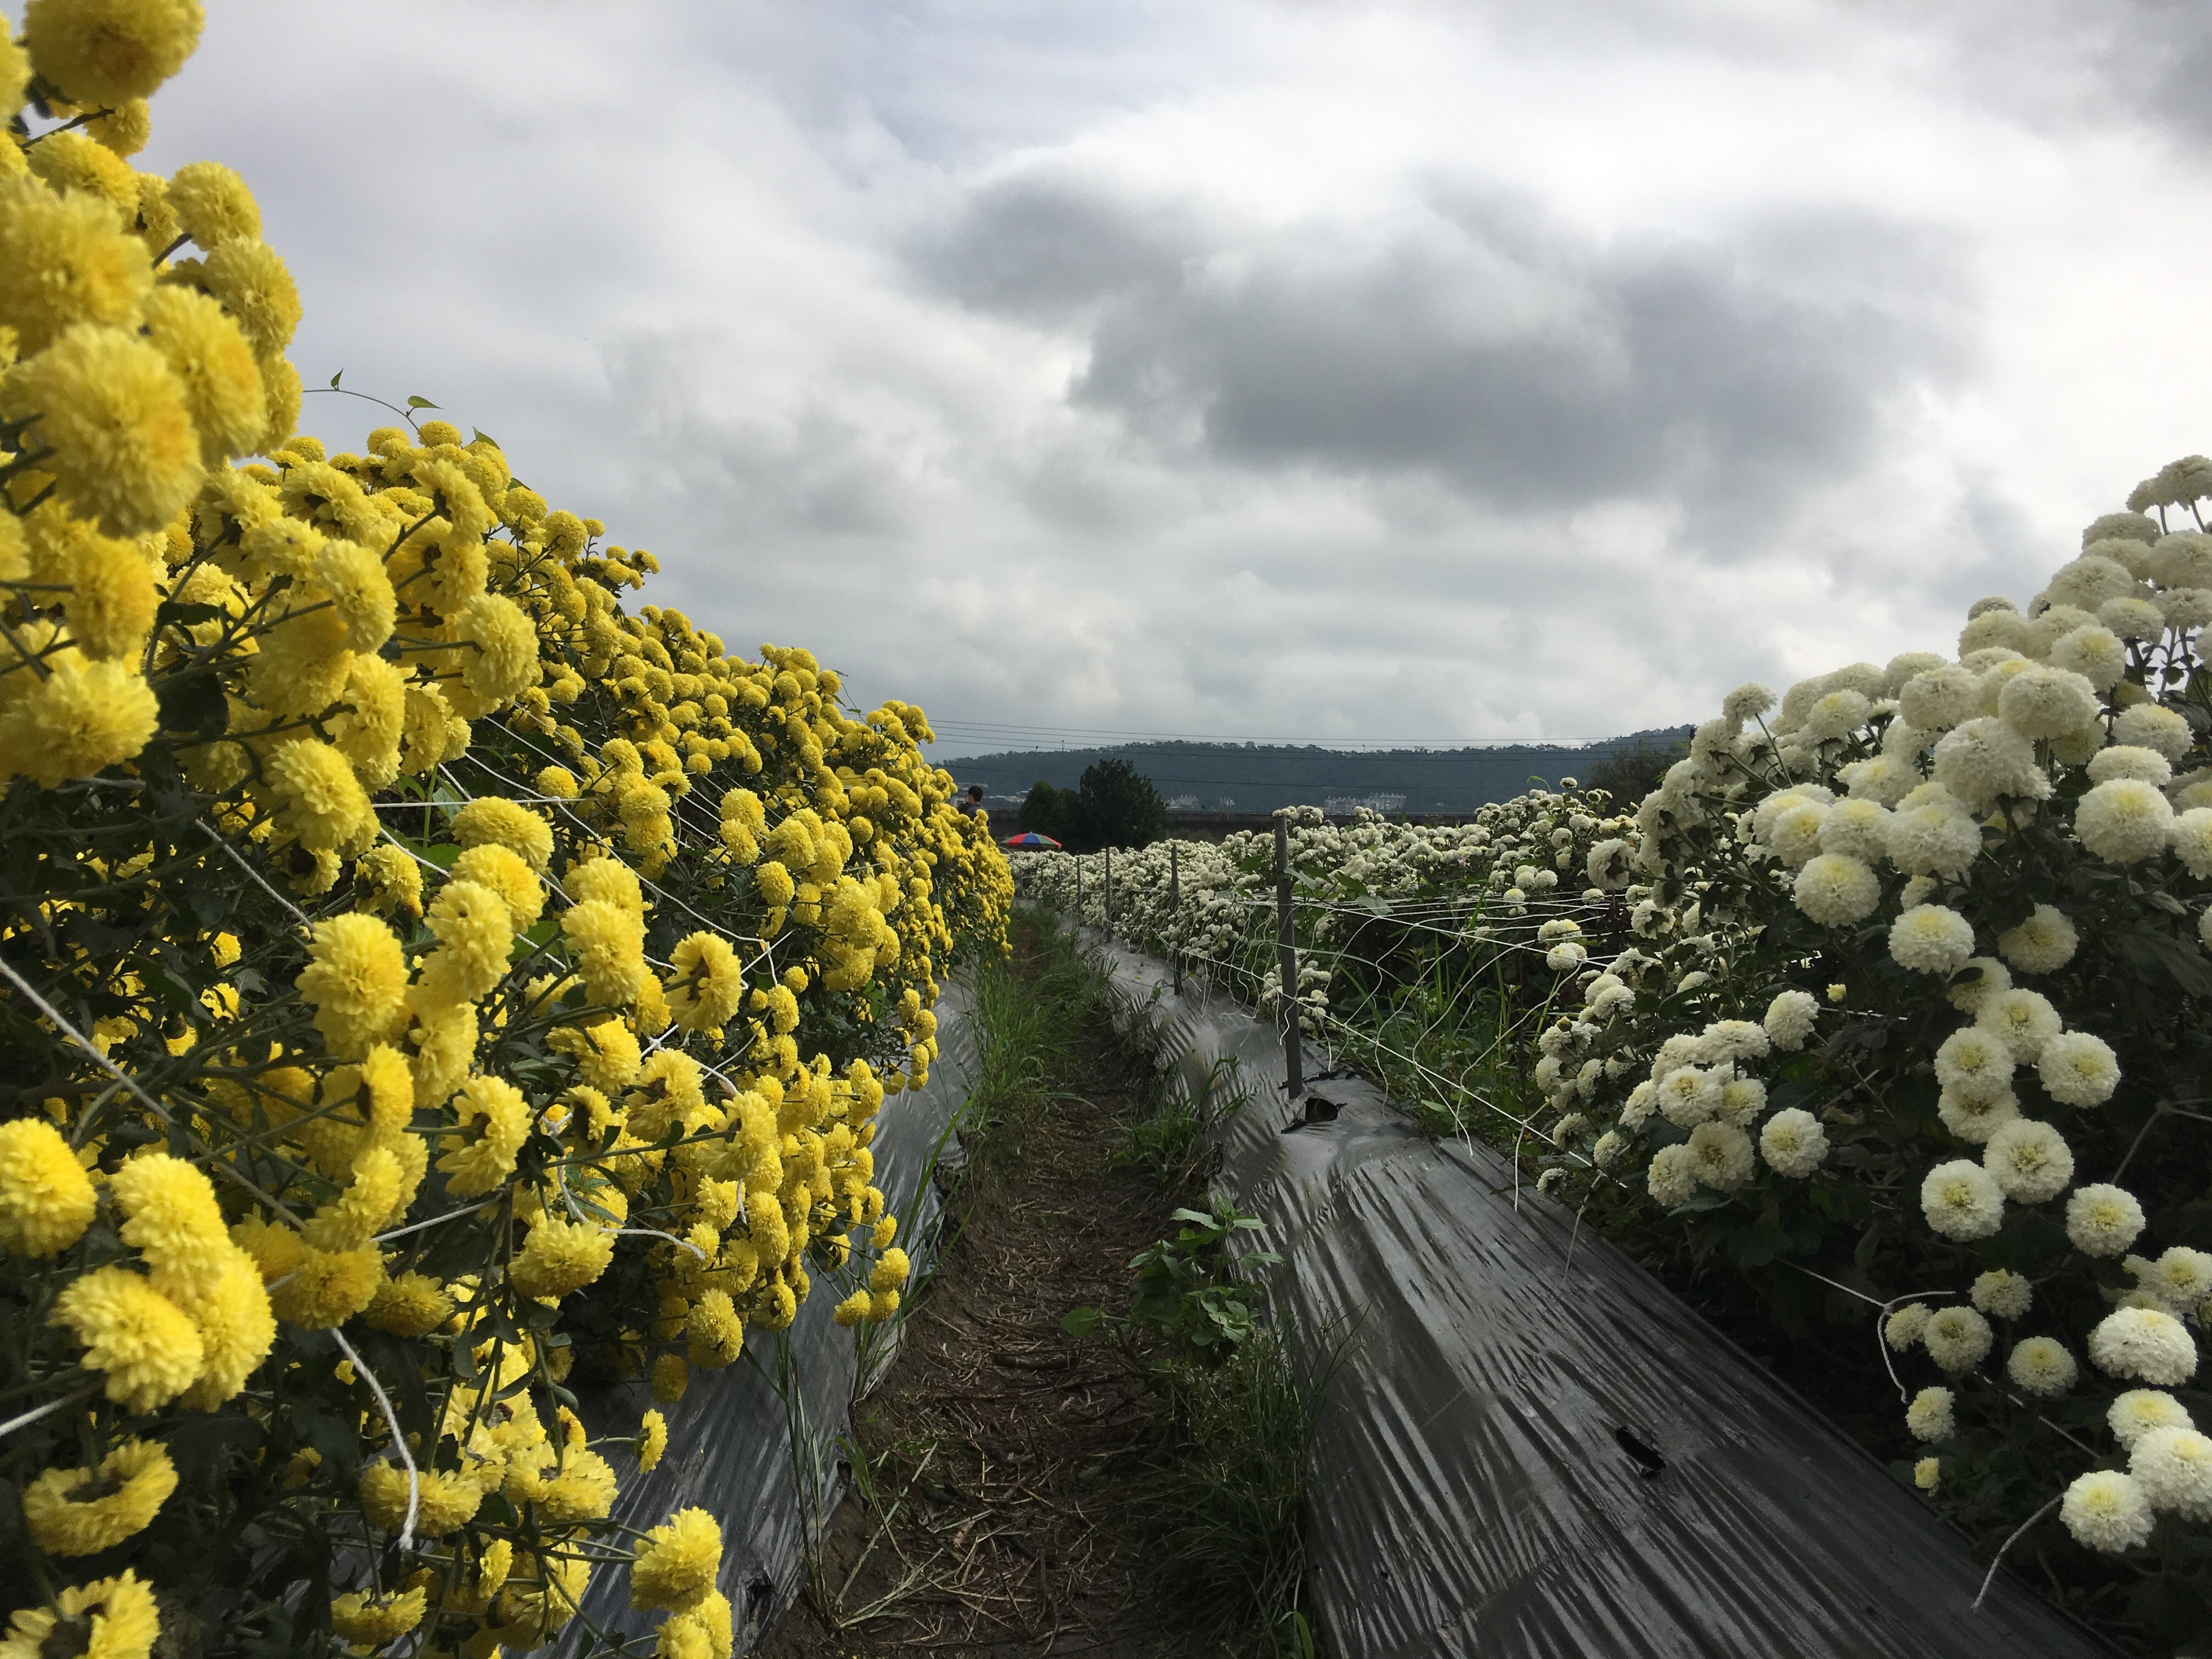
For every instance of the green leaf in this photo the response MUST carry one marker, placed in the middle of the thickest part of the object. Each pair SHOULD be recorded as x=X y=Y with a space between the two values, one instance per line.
x=478 y=435
x=336 y=378
x=1081 y=1321
x=420 y=403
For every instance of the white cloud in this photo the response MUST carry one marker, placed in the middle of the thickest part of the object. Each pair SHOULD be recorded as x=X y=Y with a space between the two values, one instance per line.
x=1299 y=370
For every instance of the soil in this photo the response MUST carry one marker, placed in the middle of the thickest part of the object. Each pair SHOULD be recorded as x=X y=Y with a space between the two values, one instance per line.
x=999 y=1450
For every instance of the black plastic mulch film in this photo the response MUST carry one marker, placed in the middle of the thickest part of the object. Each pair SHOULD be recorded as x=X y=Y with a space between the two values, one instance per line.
x=730 y=1439
x=1529 y=1453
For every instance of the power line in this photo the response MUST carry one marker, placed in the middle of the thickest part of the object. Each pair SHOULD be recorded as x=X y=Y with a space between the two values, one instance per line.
x=1005 y=731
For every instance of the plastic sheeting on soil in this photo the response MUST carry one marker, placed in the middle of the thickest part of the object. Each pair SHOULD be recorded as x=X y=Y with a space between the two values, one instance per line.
x=730 y=1439
x=1532 y=1447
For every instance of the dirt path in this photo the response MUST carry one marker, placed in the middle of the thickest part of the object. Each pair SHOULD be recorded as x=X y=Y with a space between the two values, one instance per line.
x=998 y=1448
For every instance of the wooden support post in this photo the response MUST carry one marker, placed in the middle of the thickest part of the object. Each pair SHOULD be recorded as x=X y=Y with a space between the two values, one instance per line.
x=1286 y=949
x=1175 y=914
x=1107 y=907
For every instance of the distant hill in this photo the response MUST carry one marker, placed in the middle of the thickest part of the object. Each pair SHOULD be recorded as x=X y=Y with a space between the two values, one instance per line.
x=1261 y=777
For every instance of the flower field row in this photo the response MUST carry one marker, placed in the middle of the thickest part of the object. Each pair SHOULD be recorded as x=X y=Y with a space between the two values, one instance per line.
x=429 y=981
x=1889 y=1008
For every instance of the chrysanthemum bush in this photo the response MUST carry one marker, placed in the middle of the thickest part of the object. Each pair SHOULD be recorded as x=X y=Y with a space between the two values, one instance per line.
x=1907 y=1042
x=1433 y=951
x=428 y=982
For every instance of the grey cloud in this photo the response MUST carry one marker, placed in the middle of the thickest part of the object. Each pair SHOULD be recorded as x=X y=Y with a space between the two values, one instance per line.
x=1485 y=347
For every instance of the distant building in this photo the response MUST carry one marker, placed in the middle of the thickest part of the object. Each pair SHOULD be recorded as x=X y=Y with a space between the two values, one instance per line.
x=1343 y=806
x=1226 y=804
x=1183 y=803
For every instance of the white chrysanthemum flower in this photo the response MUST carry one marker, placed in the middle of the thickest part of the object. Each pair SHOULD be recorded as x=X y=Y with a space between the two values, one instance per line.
x=1930 y=1417
x=1568 y=1127
x=1905 y=742
x=1937 y=699
x=1677 y=1050
x=1721 y=1155
x=2106 y=1510
x=1975 y=1063
x=2047 y=702
x=2139 y=1410
x=2002 y=1294
x=2029 y=1161
x=2078 y=1069
x=2204 y=929
x=2042 y=943
x=1879 y=779
x=2042 y=1366
x=1610 y=866
x=1984 y=761
x=1566 y=957
x=2124 y=821
x=1931 y=938
x=2096 y=654
x=1672 y=1179
x=1790 y=1017
x=1957 y=1339
x=2078 y=748
x=1794 y=1144
x=2182 y=559
x=2102 y=1220
x=2186 y=608
x=1928 y=1474
x=2023 y=1020
x=2088 y=581
x=1612 y=1001
x=1642 y=1100
x=2153 y=727
x=1974 y=1118
x=1931 y=833
x=2173 y=1467
x=1857 y=829
x=2192 y=841
x=2145 y=1343
x=1836 y=715
x=1916 y=891
x=1903 y=1327
x=2182 y=1276
x=1902 y=668
x=1689 y=1095
x=1795 y=835
x=1557 y=928
x=1743 y=1100
x=1980 y=977
x=1747 y=701
x=1610 y=1145
x=1733 y=1040
x=2128 y=761
x=1835 y=890
x=2132 y=618
x=1961 y=1201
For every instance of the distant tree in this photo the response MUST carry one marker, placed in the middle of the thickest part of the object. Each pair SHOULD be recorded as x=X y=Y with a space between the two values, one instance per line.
x=1118 y=807
x=1630 y=774
x=1051 y=810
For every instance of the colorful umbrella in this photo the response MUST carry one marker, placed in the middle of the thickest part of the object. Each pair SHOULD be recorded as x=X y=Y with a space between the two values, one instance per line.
x=1030 y=838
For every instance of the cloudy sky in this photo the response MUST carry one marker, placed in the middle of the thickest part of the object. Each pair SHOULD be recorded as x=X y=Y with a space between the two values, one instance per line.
x=1269 y=368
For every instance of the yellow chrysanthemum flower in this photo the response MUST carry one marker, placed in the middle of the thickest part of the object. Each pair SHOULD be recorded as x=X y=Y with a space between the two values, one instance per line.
x=74 y=161
x=676 y=1562
x=507 y=823
x=321 y=804
x=492 y=1121
x=256 y=288
x=475 y=936
x=125 y=454
x=411 y=1305
x=325 y=1288
x=560 y=1256
x=583 y=1490
x=652 y=1441
x=371 y=1619
x=392 y=881
x=504 y=659
x=111 y=611
x=214 y=363
x=113 y=1618
x=174 y=1222
x=237 y=1326
x=444 y=1503
x=671 y=1375
x=608 y=945
x=371 y=720
x=81 y=718
x=213 y=204
x=149 y=1349
x=106 y=52
x=707 y=983
x=126 y=128
x=356 y=980
x=82 y=1511
x=350 y=1220
x=46 y=1200
x=64 y=260
x=444 y=1039
x=506 y=874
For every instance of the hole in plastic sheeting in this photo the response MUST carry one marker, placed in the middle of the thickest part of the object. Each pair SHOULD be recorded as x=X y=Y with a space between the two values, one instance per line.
x=1649 y=1463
